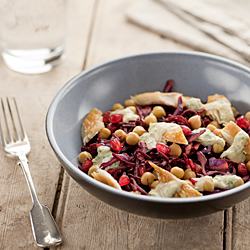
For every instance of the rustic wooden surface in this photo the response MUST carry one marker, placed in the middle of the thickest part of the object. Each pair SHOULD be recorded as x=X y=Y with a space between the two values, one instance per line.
x=97 y=32
x=34 y=94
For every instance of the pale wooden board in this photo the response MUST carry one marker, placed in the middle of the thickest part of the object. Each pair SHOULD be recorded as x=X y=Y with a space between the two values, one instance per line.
x=240 y=226
x=114 y=36
x=34 y=94
x=87 y=223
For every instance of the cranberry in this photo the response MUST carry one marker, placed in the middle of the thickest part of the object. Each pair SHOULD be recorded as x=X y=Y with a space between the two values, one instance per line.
x=87 y=163
x=115 y=118
x=193 y=180
x=186 y=130
x=124 y=180
x=242 y=122
x=115 y=144
x=162 y=148
x=242 y=169
x=105 y=116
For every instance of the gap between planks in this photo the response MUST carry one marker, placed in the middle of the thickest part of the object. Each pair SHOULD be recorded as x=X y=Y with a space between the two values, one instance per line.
x=61 y=178
x=228 y=214
x=58 y=192
x=228 y=229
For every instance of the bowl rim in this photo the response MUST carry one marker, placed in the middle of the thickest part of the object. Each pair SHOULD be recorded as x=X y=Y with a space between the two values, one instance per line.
x=65 y=162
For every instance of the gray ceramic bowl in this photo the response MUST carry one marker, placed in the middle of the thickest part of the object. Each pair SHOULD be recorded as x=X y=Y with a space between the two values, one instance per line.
x=195 y=74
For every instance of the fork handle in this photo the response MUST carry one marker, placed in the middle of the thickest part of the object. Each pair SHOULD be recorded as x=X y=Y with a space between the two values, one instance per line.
x=23 y=161
x=43 y=225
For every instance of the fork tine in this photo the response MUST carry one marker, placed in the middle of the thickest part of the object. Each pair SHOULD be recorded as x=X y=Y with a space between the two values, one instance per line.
x=10 y=139
x=12 y=119
x=25 y=137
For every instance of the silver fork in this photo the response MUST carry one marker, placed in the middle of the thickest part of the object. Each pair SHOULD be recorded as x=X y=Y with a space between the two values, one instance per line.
x=44 y=229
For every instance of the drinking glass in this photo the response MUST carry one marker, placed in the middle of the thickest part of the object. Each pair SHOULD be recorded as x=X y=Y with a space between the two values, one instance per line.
x=32 y=34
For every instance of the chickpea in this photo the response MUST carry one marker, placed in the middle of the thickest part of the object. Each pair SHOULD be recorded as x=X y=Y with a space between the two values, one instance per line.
x=154 y=184
x=159 y=111
x=104 y=133
x=133 y=109
x=92 y=169
x=217 y=148
x=178 y=172
x=139 y=130
x=238 y=182
x=83 y=155
x=121 y=134
x=195 y=121
x=189 y=174
x=175 y=150
x=248 y=166
x=211 y=127
x=216 y=124
x=132 y=138
x=235 y=112
x=208 y=186
x=117 y=106
x=150 y=119
x=147 y=177
x=129 y=102
x=247 y=115
x=247 y=158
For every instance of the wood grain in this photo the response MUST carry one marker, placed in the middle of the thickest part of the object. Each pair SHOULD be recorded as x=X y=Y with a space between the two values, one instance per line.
x=88 y=223
x=113 y=36
x=97 y=31
x=34 y=94
x=240 y=226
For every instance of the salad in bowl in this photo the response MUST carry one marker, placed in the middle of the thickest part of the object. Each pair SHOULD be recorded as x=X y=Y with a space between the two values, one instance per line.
x=166 y=144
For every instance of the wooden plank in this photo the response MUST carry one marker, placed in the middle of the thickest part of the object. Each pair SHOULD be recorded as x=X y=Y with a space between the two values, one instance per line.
x=86 y=222
x=34 y=94
x=114 y=36
x=240 y=226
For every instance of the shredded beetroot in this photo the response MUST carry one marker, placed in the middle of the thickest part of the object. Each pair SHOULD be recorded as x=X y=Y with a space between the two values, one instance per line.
x=136 y=187
x=193 y=137
x=108 y=163
x=179 y=107
x=168 y=86
x=143 y=111
x=124 y=159
x=203 y=160
x=180 y=120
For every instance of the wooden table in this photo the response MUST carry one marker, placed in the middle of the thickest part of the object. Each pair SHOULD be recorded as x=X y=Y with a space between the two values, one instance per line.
x=97 y=32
